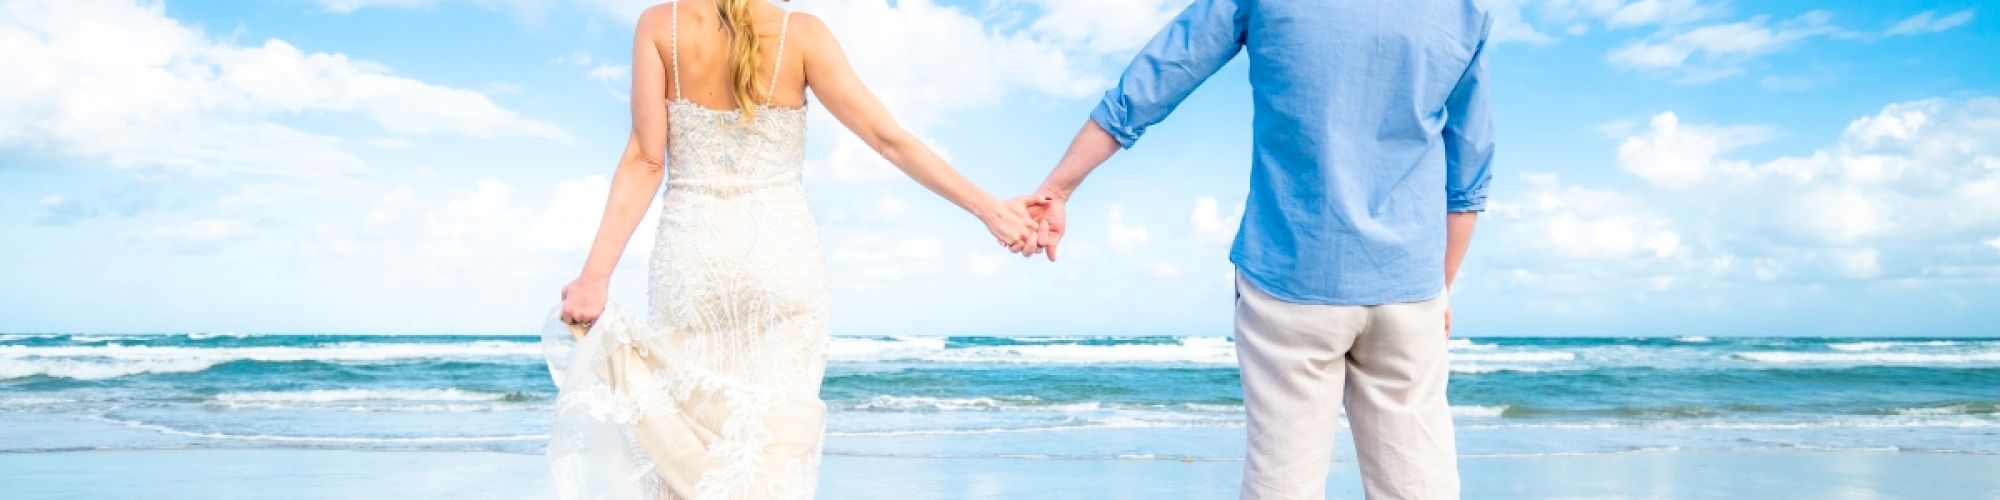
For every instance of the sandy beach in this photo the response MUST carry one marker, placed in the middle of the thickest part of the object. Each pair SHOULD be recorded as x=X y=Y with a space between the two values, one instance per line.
x=343 y=474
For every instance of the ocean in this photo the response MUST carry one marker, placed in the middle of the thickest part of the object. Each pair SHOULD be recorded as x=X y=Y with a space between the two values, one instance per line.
x=1084 y=398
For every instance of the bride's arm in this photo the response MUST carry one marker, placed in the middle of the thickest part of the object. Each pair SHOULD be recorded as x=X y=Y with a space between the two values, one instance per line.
x=833 y=81
x=640 y=170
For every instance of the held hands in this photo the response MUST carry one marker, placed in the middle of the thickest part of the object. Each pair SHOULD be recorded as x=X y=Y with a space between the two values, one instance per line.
x=1030 y=224
x=1047 y=207
x=1013 y=226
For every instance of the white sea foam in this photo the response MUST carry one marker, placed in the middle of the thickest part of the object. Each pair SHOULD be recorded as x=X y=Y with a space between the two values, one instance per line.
x=363 y=407
x=880 y=349
x=1212 y=408
x=1872 y=357
x=1029 y=404
x=109 y=338
x=97 y=362
x=1550 y=454
x=213 y=335
x=1478 y=411
x=1135 y=419
x=1957 y=409
x=350 y=440
x=367 y=400
x=1845 y=422
x=35 y=401
x=1124 y=420
x=944 y=404
x=1188 y=350
x=1457 y=368
x=1467 y=344
x=13 y=368
x=348 y=395
x=1879 y=346
x=1514 y=356
x=1693 y=339
x=29 y=336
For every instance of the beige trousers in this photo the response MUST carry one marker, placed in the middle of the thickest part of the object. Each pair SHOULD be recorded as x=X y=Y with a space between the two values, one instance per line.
x=1388 y=363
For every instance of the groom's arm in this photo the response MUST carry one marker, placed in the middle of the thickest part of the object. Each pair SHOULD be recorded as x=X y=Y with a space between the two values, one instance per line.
x=1192 y=47
x=1468 y=142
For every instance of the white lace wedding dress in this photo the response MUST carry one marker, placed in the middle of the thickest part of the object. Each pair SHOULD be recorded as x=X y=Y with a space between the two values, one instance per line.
x=717 y=397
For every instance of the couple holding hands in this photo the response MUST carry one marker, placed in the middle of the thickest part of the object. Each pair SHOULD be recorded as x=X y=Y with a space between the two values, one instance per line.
x=1372 y=142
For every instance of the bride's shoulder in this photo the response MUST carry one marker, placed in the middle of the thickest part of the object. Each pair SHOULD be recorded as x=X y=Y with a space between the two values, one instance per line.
x=809 y=31
x=807 y=24
x=655 y=16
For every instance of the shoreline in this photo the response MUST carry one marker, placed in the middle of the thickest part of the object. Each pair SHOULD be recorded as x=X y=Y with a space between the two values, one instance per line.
x=333 y=473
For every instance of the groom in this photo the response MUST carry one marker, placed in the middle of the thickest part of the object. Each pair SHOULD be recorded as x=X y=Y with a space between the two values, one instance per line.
x=1369 y=166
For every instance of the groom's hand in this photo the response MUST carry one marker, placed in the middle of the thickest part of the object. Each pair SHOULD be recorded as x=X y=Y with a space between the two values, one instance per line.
x=1050 y=212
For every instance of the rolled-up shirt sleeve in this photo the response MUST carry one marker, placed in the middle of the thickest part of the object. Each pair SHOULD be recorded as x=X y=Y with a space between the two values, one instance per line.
x=1193 y=47
x=1468 y=136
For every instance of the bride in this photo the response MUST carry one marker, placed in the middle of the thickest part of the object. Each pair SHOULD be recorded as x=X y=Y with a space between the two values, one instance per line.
x=717 y=396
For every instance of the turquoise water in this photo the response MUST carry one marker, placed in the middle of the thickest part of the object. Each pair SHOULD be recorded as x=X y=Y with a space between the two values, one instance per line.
x=1067 y=397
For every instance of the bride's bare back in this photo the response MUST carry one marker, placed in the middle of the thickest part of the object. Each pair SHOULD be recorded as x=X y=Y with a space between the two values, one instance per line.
x=693 y=32
x=704 y=51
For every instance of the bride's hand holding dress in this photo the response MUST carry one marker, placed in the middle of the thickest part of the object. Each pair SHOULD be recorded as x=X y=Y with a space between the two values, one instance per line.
x=583 y=300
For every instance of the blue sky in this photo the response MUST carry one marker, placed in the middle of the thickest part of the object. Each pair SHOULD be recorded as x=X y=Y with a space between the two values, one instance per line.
x=1669 y=167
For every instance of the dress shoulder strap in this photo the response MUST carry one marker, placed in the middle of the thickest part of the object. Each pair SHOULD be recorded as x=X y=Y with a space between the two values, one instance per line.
x=674 y=45
x=779 y=65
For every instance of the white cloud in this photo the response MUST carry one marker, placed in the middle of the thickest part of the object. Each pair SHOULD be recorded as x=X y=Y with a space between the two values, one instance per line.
x=610 y=73
x=568 y=222
x=920 y=248
x=1994 y=242
x=1103 y=26
x=1512 y=23
x=482 y=220
x=928 y=62
x=1719 y=51
x=1929 y=22
x=888 y=209
x=1164 y=268
x=1914 y=184
x=527 y=11
x=1861 y=263
x=1209 y=223
x=1510 y=26
x=119 y=80
x=1554 y=219
x=1831 y=215
x=616 y=79
x=58 y=209
x=1648 y=12
x=983 y=263
x=578 y=58
x=201 y=231
x=389 y=143
x=348 y=6
x=505 y=88
x=1678 y=156
x=1124 y=239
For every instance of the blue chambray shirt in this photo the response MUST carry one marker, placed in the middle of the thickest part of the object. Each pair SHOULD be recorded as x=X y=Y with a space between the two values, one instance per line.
x=1371 y=122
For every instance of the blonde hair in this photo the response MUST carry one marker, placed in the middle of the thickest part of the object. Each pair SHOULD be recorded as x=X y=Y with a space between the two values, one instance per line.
x=744 y=54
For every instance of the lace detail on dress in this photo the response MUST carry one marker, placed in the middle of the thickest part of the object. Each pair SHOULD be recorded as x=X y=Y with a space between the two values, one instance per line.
x=717 y=396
